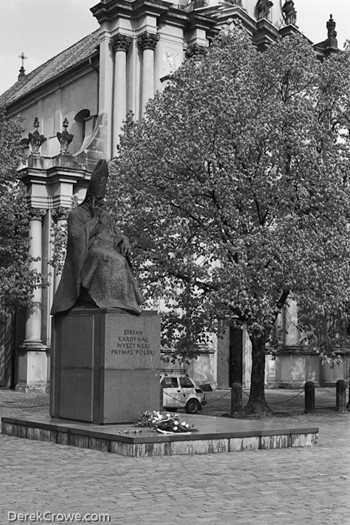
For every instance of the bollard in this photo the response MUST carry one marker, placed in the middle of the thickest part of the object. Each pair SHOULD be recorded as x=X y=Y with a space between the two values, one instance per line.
x=309 y=390
x=340 y=387
x=236 y=398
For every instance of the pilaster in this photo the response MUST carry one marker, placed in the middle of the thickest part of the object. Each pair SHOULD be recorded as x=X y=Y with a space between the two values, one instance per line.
x=106 y=87
x=148 y=42
x=120 y=46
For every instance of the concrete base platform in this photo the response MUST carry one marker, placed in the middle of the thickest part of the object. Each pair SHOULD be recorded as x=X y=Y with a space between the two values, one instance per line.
x=214 y=435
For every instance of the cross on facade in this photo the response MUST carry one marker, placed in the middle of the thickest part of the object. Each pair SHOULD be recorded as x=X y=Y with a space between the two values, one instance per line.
x=23 y=57
x=22 y=71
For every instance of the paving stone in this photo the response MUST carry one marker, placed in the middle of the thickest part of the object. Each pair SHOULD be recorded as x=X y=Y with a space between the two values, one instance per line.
x=275 y=487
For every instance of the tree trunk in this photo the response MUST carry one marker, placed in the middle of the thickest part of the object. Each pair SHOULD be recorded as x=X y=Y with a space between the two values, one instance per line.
x=257 y=402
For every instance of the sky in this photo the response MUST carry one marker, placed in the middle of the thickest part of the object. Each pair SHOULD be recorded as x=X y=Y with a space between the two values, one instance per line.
x=43 y=28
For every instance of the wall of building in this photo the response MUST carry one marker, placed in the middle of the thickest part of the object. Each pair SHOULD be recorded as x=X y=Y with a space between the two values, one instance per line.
x=169 y=53
x=51 y=107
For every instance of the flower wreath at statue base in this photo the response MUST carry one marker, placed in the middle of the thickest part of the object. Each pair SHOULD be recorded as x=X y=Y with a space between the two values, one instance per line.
x=164 y=423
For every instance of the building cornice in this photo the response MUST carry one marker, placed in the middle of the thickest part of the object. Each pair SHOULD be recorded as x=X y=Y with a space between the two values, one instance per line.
x=53 y=174
x=111 y=10
x=227 y=14
x=48 y=188
x=199 y=20
x=162 y=11
x=266 y=33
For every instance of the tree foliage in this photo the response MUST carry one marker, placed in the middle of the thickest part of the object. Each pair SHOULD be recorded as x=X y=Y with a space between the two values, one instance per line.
x=17 y=281
x=234 y=191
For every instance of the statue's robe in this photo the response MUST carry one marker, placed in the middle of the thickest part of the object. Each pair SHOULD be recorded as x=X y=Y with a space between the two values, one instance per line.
x=94 y=263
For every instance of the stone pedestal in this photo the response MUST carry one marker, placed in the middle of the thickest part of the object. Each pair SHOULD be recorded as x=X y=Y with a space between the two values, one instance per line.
x=105 y=365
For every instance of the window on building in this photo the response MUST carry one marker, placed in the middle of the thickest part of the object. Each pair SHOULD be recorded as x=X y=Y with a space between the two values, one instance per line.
x=83 y=126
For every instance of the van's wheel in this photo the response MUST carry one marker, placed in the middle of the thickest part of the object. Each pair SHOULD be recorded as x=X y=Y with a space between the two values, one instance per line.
x=192 y=406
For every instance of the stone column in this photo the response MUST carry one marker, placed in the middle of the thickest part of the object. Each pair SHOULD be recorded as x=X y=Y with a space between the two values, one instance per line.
x=147 y=42
x=32 y=356
x=120 y=45
x=33 y=324
x=106 y=88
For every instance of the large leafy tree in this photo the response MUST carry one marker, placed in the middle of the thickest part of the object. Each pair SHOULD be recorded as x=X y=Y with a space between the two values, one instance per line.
x=17 y=280
x=234 y=190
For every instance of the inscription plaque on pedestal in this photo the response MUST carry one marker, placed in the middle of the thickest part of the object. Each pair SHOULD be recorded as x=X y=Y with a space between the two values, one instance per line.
x=105 y=365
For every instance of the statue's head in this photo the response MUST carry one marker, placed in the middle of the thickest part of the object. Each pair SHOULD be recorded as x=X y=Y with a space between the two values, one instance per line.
x=96 y=191
x=98 y=181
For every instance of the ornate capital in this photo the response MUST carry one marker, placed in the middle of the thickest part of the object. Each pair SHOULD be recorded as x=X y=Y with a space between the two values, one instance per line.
x=35 y=139
x=196 y=51
x=36 y=214
x=60 y=213
x=64 y=138
x=120 y=42
x=148 y=40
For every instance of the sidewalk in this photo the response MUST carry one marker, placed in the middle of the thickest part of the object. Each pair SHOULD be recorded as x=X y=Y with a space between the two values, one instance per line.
x=275 y=487
x=283 y=402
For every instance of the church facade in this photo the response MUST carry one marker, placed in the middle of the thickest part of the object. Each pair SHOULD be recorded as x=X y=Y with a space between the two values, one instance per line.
x=73 y=107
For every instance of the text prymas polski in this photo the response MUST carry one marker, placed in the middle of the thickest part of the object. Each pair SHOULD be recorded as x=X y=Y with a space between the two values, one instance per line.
x=57 y=517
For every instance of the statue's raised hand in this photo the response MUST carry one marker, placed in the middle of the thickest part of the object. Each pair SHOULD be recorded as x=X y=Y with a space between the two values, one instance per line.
x=125 y=248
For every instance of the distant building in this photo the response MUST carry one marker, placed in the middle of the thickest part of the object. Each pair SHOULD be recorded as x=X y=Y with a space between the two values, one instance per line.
x=76 y=103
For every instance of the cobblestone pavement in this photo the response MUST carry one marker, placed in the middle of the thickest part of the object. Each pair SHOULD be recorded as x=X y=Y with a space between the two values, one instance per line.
x=276 y=487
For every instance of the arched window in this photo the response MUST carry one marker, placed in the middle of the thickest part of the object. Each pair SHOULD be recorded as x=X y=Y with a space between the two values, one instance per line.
x=83 y=125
